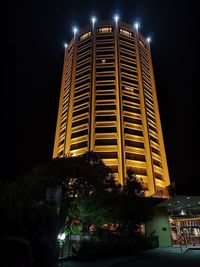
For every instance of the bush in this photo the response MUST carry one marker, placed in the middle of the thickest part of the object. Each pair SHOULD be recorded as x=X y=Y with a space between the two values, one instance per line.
x=96 y=249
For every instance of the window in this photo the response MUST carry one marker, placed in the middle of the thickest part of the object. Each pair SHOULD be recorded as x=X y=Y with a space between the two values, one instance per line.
x=142 y=44
x=132 y=110
x=105 y=142
x=153 y=149
x=105 y=130
x=128 y=89
x=105 y=118
x=127 y=33
x=63 y=122
x=133 y=132
x=78 y=145
x=137 y=171
x=135 y=157
x=158 y=176
x=134 y=144
x=62 y=132
x=154 y=139
x=157 y=163
x=132 y=120
x=81 y=111
x=60 y=154
x=105 y=77
x=61 y=142
x=105 y=97
x=107 y=155
x=80 y=122
x=85 y=36
x=105 y=30
x=105 y=107
x=80 y=133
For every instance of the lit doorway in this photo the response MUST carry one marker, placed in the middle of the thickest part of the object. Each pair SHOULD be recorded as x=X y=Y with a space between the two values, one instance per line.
x=185 y=231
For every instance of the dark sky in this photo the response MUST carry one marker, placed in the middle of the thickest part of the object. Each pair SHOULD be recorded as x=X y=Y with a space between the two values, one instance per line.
x=35 y=32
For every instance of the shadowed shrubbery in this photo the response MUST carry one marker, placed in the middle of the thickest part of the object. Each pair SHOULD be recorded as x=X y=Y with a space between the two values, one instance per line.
x=93 y=250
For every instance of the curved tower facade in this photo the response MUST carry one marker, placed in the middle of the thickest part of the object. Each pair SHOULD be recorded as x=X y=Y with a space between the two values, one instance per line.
x=108 y=104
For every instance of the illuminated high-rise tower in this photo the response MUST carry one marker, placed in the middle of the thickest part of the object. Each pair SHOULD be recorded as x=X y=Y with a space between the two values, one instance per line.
x=108 y=104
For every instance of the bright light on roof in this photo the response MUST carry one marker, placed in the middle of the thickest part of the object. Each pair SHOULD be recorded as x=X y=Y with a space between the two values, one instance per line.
x=75 y=29
x=116 y=18
x=137 y=25
x=148 y=39
x=66 y=45
x=93 y=19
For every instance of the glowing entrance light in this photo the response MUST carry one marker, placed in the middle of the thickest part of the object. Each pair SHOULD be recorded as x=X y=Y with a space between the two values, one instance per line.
x=182 y=212
x=61 y=236
x=116 y=18
x=137 y=25
x=93 y=19
x=75 y=30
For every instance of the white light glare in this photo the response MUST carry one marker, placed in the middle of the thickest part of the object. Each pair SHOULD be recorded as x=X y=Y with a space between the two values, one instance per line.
x=148 y=39
x=93 y=19
x=75 y=30
x=182 y=212
x=66 y=45
x=62 y=236
x=116 y=17
x=137 y=25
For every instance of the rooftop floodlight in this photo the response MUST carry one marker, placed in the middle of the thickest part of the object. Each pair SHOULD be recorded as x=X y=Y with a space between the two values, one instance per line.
x=65 y=45
x=75 y=30
x=149 y=39
x=93 y=19
x=136 y=25
x=116 y=18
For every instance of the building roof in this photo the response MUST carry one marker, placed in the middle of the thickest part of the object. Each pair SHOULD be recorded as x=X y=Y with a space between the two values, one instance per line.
x=182 y=206
x=181 y=202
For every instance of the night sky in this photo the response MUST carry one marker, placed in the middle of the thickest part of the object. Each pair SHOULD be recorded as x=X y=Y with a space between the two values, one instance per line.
x=35 y=33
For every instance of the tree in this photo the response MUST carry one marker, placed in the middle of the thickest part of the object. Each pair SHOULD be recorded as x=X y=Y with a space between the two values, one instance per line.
x=133 y=186
x=23 y=201
x=90 y=196
x=123 y=206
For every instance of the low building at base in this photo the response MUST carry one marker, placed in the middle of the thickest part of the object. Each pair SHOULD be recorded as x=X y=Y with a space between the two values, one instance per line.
x=176 y=221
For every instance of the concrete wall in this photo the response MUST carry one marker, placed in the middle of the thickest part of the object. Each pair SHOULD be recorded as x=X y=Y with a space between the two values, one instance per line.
x=159 y=224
